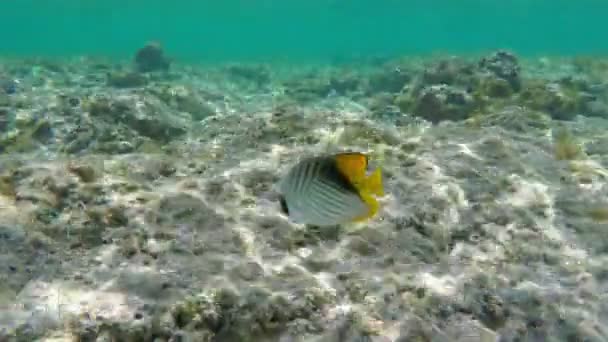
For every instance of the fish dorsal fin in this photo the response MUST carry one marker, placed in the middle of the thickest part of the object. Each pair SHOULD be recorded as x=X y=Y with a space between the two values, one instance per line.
x=353 y=165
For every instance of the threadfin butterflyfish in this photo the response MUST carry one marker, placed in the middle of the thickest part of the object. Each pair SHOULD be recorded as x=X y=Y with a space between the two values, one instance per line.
x=331 y=190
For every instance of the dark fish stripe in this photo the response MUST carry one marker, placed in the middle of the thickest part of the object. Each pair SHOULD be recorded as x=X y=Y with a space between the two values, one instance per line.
x=297 y=178
x=308 y=172
x=318 y=209
x=327 y=192
x=320 y=196
x=340 y=195
x=325 y=209
x=320 y=213
x=333 y=201
x=306 y=175
x=315 y=171
x=330 y=186
x=338 y=178
x=284 y=207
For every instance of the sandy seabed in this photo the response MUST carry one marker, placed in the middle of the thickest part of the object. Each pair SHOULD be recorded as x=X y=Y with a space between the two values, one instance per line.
x=142 y=206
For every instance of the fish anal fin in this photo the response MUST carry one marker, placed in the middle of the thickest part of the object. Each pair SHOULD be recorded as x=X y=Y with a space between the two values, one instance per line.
x=372 y=205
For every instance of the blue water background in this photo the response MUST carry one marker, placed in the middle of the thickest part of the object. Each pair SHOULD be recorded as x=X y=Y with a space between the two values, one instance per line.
x=228 y=30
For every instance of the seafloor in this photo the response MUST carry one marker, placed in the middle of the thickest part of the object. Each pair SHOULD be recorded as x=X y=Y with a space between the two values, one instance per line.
x=138 y=201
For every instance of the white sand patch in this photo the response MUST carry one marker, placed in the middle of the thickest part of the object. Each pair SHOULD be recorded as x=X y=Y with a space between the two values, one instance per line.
x=464 y=149
x=527 y=193
x=46 y=304
x=445 y=285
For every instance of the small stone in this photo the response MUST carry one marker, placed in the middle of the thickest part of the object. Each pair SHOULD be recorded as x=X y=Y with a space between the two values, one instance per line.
x=437 y=103
x=115 y=216
x=86 y=173
x=8 y=86
x=73 y=101
x=24 y=119
x=42 y=131
x=361 y=246
x=249 y=270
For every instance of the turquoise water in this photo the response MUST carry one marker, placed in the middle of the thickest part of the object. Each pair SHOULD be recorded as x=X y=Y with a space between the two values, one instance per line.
x=313 y=29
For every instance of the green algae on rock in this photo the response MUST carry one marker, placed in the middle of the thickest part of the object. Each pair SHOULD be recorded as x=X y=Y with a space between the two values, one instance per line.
x=516 y=118
x=562 y=102
x=149 y=121
x=453 y=88
x=390 y=79
x=565 y=145
x=28 y=138
x=437 y=103
x=186 y=100
x=257 y=314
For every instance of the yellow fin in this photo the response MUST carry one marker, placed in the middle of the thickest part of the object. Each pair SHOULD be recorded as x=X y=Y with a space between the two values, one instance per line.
x=353 y=165
x=373 y=183
x=373 y=206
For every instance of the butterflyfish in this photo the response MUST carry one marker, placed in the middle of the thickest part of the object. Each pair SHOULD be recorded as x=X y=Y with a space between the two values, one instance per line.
x=330 y=190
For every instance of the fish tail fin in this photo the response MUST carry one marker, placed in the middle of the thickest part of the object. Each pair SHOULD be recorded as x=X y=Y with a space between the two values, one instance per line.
x=373 y=183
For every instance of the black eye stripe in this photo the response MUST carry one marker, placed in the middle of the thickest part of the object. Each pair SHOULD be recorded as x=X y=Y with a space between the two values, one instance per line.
x=284 y=208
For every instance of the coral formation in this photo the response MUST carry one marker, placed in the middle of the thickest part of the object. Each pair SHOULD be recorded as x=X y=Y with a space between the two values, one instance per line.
x=504 y=66
x=390 y=78
x=151 y=57
x=7 y=85
x=438 y=102
x=566 y=147
x=561 y=102
x=455 y=89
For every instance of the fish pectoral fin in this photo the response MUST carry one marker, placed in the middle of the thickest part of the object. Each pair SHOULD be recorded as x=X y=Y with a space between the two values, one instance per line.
x=372 y=208
x=373 y=183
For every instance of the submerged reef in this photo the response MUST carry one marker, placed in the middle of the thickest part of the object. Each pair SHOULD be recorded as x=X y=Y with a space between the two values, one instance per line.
x=138 y=205
x=151 y=57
